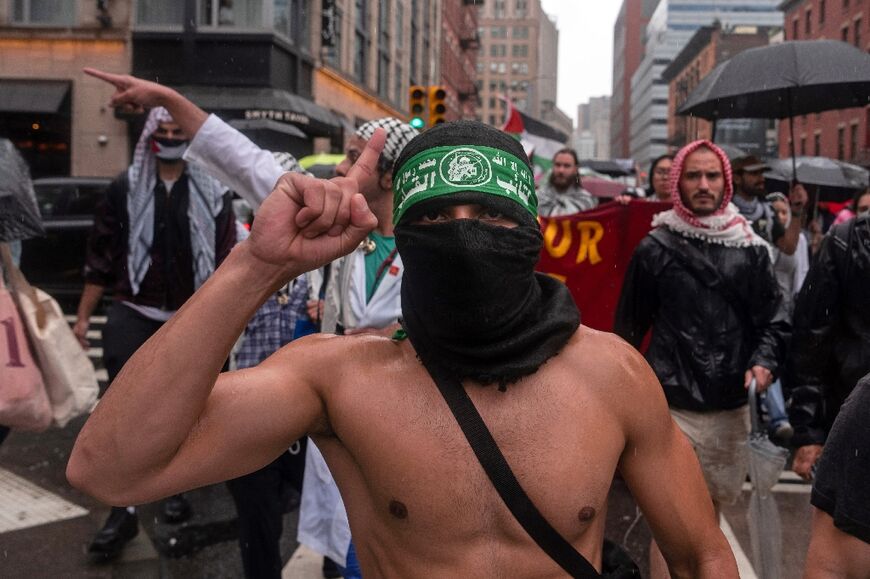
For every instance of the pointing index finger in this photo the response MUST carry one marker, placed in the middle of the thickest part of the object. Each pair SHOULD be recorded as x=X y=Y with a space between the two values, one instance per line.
x=367 y=163
x=114 y=79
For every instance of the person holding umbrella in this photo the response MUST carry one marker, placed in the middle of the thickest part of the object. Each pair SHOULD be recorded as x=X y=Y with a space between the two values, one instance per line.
x=704 y=282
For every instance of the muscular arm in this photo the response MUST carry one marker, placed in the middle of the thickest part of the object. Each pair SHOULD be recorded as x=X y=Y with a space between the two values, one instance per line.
x=169 y=422
x=225 y=153
x=834 y=554
x=664 y=476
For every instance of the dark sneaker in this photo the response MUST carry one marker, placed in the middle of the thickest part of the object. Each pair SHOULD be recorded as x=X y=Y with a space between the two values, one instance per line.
x=119 y=529
x=331 y=570
x=176 y=509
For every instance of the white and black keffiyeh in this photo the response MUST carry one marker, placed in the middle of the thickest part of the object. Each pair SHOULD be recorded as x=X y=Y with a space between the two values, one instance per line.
x=205 y=203
x=399 y=134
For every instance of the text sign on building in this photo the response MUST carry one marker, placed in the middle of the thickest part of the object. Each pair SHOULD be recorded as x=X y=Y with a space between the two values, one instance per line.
x=286 y=116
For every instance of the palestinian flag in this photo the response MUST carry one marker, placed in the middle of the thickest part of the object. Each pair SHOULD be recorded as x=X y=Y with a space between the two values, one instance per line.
x=540 y=140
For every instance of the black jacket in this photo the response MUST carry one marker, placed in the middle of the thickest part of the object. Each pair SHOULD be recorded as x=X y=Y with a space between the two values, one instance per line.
x=831 y=347
x=705 y=335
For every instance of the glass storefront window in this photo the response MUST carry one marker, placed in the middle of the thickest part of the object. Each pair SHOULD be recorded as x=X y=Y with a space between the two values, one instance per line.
x=48 y=12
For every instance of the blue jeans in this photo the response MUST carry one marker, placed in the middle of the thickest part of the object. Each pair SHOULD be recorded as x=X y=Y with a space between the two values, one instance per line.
x=775 y=404
x=351 y=569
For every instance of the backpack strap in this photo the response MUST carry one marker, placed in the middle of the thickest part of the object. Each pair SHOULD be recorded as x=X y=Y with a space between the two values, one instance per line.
x=502 y=477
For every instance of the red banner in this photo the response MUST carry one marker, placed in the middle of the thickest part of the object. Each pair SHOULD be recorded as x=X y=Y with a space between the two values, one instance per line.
x=590 y=251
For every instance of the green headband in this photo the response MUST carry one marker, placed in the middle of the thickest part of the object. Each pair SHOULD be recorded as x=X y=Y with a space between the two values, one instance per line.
x=443 y=171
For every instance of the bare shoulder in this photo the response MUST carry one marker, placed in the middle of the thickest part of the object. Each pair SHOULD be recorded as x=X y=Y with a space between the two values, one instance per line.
x=614 y=368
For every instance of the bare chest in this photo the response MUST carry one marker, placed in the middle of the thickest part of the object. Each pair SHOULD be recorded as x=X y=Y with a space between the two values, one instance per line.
x=408 y=468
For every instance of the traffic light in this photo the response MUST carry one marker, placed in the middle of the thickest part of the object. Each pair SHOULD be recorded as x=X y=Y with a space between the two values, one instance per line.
x=417 y=106
x=437 y=106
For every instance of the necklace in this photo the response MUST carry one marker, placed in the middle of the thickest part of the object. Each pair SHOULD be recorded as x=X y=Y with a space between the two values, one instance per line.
x=368 y=245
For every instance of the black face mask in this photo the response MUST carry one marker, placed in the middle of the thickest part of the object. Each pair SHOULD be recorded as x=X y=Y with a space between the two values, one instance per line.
x=472 y=305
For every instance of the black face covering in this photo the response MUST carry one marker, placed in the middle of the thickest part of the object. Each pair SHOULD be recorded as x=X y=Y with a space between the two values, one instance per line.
x=472 y=305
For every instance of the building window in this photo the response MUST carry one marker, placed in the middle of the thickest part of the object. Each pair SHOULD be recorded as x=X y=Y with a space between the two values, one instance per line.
x=360 y=40
x=524 y=68
x=520 y=50
x=398 y=86
x=498 y=32
x=841 y=143
x=853 y=140
x=522 y=7
x=844 y=34
x=496 y=50
x=498 y=11
x=808 y=23
x=817 y=144
x=231 y=13
x=803 y=145
x=857 y=33
x=383 y=75
x=333 y=53
x=479 y=67
x=400 y=24
x=795 y=26
x=290 y=18
x=521 y=31
x=822 y=6
x=159 y=13
x=50 y=12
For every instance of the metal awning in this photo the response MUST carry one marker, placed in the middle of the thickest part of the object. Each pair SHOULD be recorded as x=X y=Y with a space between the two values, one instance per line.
x=264 y=103
x=32 y=96
x=267 y=125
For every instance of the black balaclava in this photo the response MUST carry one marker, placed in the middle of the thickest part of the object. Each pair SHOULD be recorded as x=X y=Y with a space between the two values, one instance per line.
x=472 y=304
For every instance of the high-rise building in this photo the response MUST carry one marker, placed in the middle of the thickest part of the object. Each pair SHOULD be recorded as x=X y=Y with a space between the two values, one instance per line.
x=518 y=60
x=671 y=26
x=460 y=44
x=843 y=134
x=593 y=129
x=627 y=52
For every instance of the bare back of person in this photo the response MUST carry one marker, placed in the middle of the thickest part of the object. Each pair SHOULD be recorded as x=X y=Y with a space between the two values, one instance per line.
x=417 y=498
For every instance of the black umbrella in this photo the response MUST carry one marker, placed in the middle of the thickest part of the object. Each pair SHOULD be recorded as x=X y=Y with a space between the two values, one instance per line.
x=19 y=213
x=783 y=80
x=820 y=171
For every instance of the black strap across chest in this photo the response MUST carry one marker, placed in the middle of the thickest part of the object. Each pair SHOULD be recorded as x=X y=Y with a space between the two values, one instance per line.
x=509 y=489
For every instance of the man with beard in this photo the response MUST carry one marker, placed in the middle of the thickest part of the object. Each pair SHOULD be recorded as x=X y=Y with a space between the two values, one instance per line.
x=567 y=405
x=160 y=232
x=562 y=193
x=749 y=197
x=703 y=280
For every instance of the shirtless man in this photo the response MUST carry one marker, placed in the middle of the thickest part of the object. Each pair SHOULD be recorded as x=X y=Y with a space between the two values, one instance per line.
x=416 y=495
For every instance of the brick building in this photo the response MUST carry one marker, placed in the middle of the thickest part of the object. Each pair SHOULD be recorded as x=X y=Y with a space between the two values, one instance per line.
x=459 y=45
x=843 y=134
x=708 y=47
x=628 y=33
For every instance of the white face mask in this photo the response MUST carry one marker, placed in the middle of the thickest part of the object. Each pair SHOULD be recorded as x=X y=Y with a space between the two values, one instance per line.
x=168 y=149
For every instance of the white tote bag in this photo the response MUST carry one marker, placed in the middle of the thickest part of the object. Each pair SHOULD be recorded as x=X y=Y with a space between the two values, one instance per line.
x=69 y=375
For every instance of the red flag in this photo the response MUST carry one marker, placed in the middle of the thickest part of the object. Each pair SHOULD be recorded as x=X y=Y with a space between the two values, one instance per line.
x=590 y=251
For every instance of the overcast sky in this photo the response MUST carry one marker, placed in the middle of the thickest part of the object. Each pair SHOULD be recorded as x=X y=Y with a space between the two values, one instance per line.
x=585 y=49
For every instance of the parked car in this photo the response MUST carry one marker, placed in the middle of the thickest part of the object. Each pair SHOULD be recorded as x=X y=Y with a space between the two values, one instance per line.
x=55 y=262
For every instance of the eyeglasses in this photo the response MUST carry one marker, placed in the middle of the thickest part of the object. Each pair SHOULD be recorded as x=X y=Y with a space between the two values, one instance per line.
x=662 y=172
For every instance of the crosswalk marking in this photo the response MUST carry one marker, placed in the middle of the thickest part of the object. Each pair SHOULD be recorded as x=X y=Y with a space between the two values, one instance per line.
x=23 y=504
